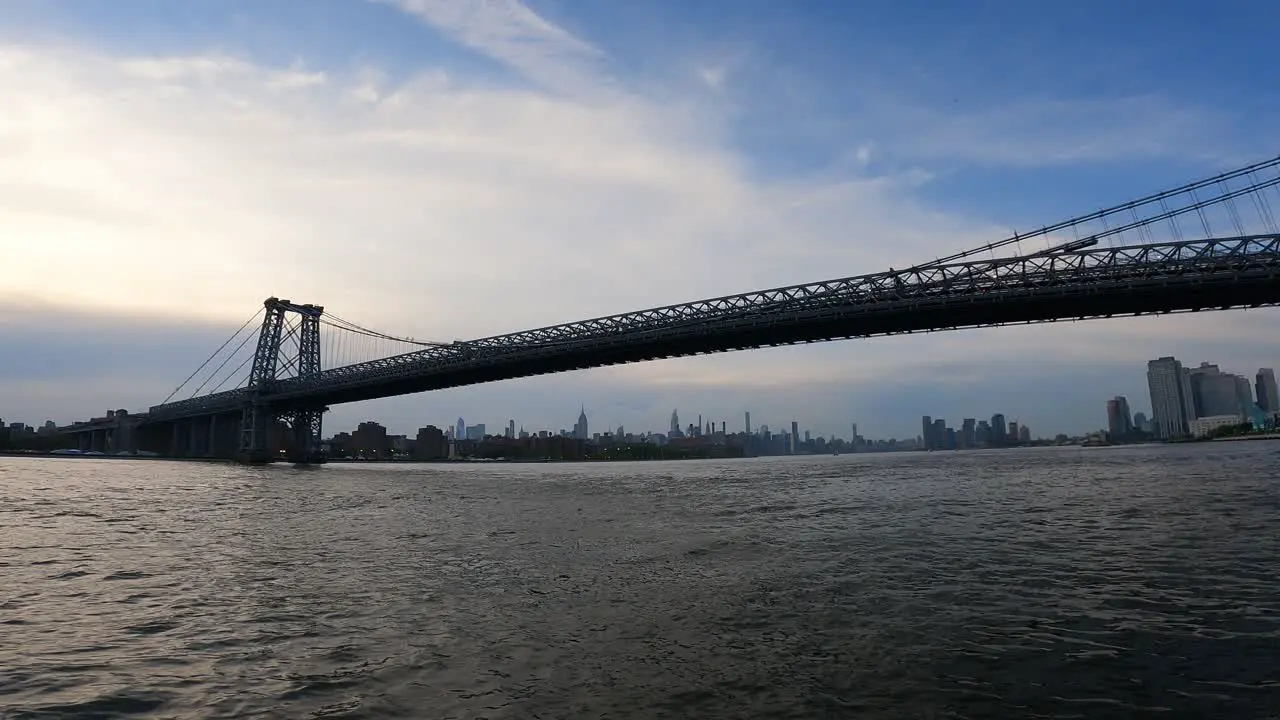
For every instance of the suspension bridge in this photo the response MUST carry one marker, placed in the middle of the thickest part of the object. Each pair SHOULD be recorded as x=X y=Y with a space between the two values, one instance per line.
x=1212 y=244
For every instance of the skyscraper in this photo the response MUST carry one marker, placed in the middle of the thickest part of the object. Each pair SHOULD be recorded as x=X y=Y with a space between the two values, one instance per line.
x=999 y=433
x=1119 y=421
x=511 y=428
x=926 y=432
x=795 y=429
x=675 y=424
x=1171 y=406
x=1217 y=393
x=580 y=427
x=461 y=431
x=1244 y=392
x=1268 y=394
x=748 y=424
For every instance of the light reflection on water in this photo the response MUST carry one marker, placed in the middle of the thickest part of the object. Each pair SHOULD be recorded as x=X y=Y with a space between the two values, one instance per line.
x=1055 y=583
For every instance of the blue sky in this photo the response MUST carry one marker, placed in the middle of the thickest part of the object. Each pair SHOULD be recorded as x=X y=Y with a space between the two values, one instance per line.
x=451 y=169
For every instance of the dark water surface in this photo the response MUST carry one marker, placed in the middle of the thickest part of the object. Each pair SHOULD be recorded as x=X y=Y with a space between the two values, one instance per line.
x=1067 y=583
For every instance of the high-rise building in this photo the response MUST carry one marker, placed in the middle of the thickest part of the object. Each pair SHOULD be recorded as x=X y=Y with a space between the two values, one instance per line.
x=982 y=436
x=1244 y=392
x=511 y=428
x=969 y=433
x=461 y=430
x=940 y=434
x=748 y=422
x=675 y=424
x=370 y=440
x=926 y=432
x=1013 y=433
x=1268 y=393
x=430 y=444
x=1119 y=422
x=1188 y=397
x=1217 y=393
x=795 y=436
x=1172 y=405
x=580 y=428
x=1140 y=422
x=1024 y=434
x=998 y=433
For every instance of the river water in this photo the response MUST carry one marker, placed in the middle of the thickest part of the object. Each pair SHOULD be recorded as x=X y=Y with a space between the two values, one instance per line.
x=1068 y=583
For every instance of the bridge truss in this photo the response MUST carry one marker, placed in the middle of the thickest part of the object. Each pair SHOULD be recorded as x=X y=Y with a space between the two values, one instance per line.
x=1204 y=245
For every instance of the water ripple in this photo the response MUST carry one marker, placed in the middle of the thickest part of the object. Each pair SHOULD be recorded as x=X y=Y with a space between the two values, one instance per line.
x=1126 y=582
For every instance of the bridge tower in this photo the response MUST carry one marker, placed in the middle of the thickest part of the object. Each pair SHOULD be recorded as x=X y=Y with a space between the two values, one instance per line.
x=288 y=346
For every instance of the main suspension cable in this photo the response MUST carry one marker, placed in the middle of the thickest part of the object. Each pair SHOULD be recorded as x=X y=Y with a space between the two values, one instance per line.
x=215 y=354
x=339 y=323
x=225 y=360
x=1132 y=204
x=233 y=373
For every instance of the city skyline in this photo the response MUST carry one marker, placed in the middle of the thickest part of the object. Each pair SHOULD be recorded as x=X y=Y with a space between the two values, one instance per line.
x=430 y=172
x=1122 y=415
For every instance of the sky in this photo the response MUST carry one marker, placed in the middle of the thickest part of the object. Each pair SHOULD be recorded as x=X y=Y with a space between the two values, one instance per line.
x=452 y=168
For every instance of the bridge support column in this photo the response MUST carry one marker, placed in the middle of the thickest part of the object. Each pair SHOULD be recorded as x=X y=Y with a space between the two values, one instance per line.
x=226 y=437
x=211 y=448
x=255 y=434
x=259 y=420
x=305 y=445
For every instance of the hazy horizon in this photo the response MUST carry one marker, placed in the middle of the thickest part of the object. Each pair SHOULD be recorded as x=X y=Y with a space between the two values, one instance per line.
x=455 y=170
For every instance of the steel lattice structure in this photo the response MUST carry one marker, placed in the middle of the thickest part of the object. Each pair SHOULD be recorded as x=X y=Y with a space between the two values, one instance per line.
x=1082 y=281
x=273 y=359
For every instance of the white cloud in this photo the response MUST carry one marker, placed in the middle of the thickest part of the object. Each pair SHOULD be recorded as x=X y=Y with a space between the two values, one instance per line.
x=197 y=185
x=713 y=76
x=1042 y=131
x=512 y=33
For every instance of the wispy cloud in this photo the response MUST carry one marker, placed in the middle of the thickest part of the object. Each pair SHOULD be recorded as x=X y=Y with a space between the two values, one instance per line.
x=187 y=187
x=510 y=32
x=964 y=120
x=1049 y=131
x=196 y=184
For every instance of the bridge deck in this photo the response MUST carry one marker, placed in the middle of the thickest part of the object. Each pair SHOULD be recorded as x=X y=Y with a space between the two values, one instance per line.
x=1100 y=282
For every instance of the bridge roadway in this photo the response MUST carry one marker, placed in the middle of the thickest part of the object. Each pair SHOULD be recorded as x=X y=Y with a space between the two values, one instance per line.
x=1091 y=283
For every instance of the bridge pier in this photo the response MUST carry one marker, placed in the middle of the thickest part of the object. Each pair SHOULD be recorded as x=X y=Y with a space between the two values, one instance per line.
x=193 y=438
